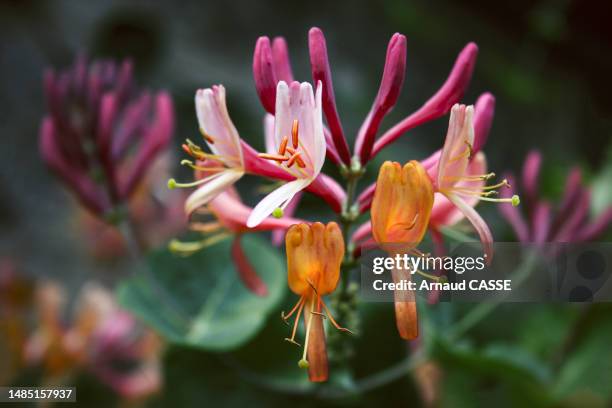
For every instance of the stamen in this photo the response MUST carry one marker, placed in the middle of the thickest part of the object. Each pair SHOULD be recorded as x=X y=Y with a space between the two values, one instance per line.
x=283 y=146
x=172 y=183
x=294 y=134
x=297 y=320
x=503 y=183
x=308 y=327
x=276 y=157
x=205 y=227
x=297 y=305
x=332 y=320
x=278 y=212
x=207 y=137
x=469 y=146
x=470 y=178
x=514 y=200
x=188 y=248
x=299 y=161
x=190 y=164
x=293 y=159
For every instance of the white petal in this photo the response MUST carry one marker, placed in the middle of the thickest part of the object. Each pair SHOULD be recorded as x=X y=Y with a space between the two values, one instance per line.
x=269 y=134
x=214 y=120
x=274 y=200
x=211 y=189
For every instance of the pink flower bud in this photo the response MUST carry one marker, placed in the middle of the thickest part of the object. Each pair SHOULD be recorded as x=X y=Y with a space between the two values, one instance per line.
x=531 y=173
x=263 y=72
x=321 y=72
x=282 y=64
x=483 y=119
x=390 y=87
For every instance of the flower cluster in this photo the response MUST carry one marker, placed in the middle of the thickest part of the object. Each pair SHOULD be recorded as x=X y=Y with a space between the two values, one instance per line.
x=99 y=338
x=302 y=128
x=102 y=134
x=569 y=223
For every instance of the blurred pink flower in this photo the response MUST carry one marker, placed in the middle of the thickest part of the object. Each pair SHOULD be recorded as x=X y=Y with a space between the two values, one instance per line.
x=101 y=134
x=543 y=222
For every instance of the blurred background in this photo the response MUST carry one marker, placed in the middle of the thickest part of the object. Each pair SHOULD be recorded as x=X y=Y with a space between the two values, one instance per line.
x=548 y=64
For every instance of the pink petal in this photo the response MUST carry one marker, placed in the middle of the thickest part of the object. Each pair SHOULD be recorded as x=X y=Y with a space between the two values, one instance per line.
x=481 y=227
x=233 y=214
x=596 y=228
x=541 y=222
x=246 y=271
x=444 y=212
x=453 y=162
x=484 y=111
x=531 y=173
x=210 y=189
x=364 y=231
x=214 y=120
x=89 y=194
x=264 y=74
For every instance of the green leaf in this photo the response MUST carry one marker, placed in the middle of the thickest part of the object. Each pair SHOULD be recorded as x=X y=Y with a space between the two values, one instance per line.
x=200 y=301
x=586 y=371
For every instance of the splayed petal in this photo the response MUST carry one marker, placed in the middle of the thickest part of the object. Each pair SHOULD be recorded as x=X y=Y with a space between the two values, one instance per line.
x=279 y=197
x=486 y=238
x=209 y=190
x=214 y=120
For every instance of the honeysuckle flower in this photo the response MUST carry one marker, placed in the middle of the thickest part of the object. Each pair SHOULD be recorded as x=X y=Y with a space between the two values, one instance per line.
x=101 y=134
x=568 y=222
x=232 y=157
x=400 y=214
x=226 y=217
x=221 y=136
x=451 y=171
x=100 y=338
x=299 y=142
x=314 y=257
x=484 y=111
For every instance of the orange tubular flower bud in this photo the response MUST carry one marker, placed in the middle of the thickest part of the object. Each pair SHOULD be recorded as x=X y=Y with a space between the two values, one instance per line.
x=314 y=257
x=400 y=213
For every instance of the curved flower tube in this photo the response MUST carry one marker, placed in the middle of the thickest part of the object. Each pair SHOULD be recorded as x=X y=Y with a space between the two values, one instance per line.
x=400 y=214
x=299 y=142
x=314 y=257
